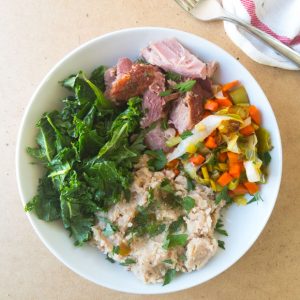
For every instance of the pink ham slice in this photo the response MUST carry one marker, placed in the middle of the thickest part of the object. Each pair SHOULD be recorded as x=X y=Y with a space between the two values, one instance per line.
x=170 y=55
x=153 y=103
x=187 y=111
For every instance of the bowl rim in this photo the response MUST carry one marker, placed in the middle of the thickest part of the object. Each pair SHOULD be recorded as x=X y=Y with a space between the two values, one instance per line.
x=19 y=151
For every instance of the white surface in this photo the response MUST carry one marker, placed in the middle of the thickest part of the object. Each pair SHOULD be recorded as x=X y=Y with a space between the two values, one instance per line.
x=244 y=224
x=281 y=16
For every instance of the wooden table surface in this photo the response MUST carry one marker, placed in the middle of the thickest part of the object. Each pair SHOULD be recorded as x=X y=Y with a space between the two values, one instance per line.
x=34 y=35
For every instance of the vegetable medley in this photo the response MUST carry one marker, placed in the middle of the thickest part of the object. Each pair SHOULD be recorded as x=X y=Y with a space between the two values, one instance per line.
x=228 y=150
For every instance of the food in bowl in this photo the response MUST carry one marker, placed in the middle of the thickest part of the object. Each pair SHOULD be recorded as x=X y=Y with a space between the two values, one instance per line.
x=143 y=156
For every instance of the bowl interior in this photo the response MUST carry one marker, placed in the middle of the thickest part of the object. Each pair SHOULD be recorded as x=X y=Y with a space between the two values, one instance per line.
x=243 y=224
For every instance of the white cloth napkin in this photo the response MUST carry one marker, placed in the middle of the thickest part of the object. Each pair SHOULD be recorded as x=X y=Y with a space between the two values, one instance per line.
x=280 y=18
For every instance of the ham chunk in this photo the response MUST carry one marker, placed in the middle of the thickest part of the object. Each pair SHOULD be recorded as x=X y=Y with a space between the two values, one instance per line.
x=153 y=103
x=187 y=111
x=128 y=80
x=170 y=55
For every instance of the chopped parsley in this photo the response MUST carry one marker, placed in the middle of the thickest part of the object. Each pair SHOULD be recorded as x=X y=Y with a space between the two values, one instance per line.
x=128 y=261
x=188 y=203
x=158 y=160
x=164 y=124
x=186 y=134
x=221 y=244
x=223 y=195
x=168 y=261
x=185 y=86
x=173 y=76
x=219 y=228
x=165 y=93
x=256 y=197
x=174 y=240
x=116 y=250
x=169 y=276
x=110 y=229
x=176 y=225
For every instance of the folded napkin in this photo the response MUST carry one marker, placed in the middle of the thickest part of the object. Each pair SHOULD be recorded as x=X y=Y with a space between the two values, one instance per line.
x=279 y=18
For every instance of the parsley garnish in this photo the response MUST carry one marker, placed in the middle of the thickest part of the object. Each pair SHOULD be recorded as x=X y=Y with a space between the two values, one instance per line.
x=223 y=195
x=219 y=228
x=174 y=240
x=165 y=93
x=173 y=76
x=110 y=229
x=176 y=225
x=221 y=244
x=188 y=203
x=158 y=160
x=168 y=261
x=164 y=124
x=186 y=134
x=128 y=261
x=256 y=197
x=190 y=184
x=169 y=276
x=185 y=86
x=116 y=250
x=109 y=259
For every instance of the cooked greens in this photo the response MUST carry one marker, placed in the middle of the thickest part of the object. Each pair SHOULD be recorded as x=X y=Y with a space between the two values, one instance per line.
x=86 y=148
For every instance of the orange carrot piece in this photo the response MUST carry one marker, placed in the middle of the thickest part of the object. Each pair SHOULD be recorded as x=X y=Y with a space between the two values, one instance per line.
x=240 y=190
x=224 y=179
x=173 y=163
x=248 y=130
x=255 y=114
x=228 y=86
x=197 y=159
x=222 y=156
x=176 y=171
x=224 y=102
x=211 y=143
x=211 y=105
x=235 y=169
x=233 y=157
x=251 y=187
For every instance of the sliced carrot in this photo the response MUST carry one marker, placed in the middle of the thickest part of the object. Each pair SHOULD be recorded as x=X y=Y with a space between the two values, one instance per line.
x=211 y=105
x=233 y=157
x=224 y=102
x=224 y=179
x=235 y=169
x=228 y=86
x=255 y=114
x=248 y=130
x=251 y=187
x=197 y=159
x=222 y=156
x=211 y=143
x=240 y=190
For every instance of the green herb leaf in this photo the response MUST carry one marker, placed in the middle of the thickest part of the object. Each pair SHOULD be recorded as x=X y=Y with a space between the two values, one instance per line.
x=190 y=184
x=256 y=197
x=188 y=203
x=168 y=261
x=186 y=134
x=165 y=93
x=128 y=261
x=173 y=76
x=221 y=244
x=169 y=276
x=185 y=86
x=116 y=250
x=110 y=259
x=176 y=225
x=174 y=240
x=109 y=230
x=223 y=195
x=164 y=124
x=158 y=160
x=219 y=228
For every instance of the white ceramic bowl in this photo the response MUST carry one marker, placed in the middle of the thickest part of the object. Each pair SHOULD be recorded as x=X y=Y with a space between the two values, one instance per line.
x=243 y=223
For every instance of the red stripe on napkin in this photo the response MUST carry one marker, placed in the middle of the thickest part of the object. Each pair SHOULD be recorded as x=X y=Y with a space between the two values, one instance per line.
x=255 y=21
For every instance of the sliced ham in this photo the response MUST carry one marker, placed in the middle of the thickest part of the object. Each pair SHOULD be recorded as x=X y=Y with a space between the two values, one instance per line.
x=187 y=111
x=170 y=55
x=128 y=80
x=153 y=103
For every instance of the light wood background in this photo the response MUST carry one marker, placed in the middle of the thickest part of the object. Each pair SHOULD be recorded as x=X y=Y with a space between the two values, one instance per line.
x=34 y=35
